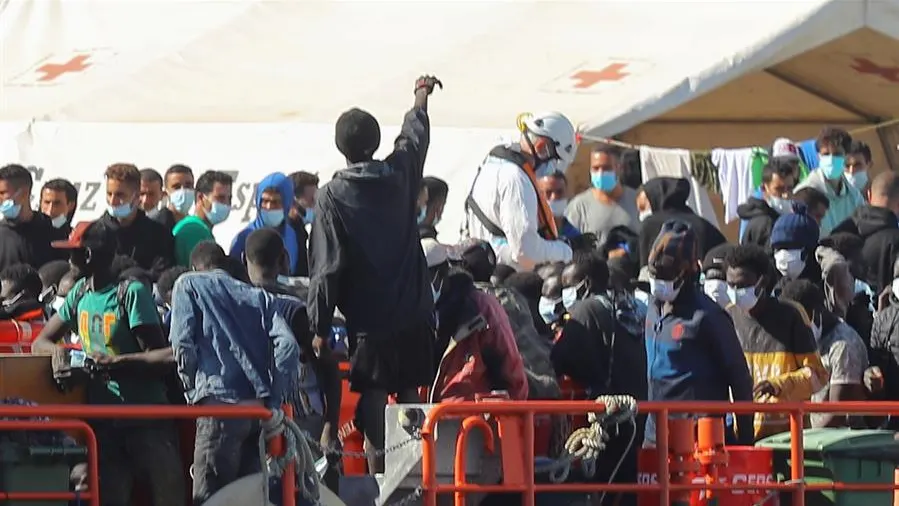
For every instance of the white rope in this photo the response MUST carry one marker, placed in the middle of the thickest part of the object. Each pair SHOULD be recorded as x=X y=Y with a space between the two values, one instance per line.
x=296 y=450
x=586 y=443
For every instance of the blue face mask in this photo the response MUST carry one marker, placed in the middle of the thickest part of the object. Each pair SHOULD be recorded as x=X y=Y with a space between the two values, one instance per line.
x=182 y=200
x=421 y=215
x=570 y=295
x=605 y=180
x=119 y=212
x=9 y=210
x=308 y=216
x=272 y=217
x=831 y=166
x=218 y=213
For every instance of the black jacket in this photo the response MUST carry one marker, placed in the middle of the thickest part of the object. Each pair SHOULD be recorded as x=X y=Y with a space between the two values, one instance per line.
x=28 y=242
x=147 y=241
x=760 y=220
x=365 y=254
x=668 y=199
x=879 y=229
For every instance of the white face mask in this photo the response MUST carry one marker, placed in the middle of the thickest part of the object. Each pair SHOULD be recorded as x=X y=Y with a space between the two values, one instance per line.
x=59 y=221
x=716 y=289
x=744 y=298
x=789 y=262
x=782 y=206
x=644 y=214
x=558 y=207
x=663 y=290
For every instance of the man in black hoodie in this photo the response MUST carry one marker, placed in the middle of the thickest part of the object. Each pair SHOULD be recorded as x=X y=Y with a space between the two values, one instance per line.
x=877 y=225
x=778 y=179
x=366 y=259
x=667 y=200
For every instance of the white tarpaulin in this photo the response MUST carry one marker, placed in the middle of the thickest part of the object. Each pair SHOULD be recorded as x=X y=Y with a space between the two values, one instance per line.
x=255 y=85
x=612 y=63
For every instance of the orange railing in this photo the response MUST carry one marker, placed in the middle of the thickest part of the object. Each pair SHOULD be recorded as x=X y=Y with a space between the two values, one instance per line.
x=525 y=411
x=68 y=417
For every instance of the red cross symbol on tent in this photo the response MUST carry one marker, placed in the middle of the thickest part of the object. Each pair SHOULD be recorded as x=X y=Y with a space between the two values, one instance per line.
x=51 y=71
x=589 y=78
x=866 y=66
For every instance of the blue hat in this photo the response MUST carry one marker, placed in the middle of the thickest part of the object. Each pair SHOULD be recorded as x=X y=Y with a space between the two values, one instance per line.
x=796 y=230
x=675 y=247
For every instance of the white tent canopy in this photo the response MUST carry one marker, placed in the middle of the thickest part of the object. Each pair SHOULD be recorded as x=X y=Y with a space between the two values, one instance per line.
x=272 y=61
x=254 y=86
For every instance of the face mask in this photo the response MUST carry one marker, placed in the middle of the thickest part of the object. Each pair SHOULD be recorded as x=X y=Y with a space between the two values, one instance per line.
x=716 y=289
x=119 y=212
x=547 y=308
x=421 y=216
x=558 y=207
x=308 y=216
x=9 y=210
x=789 y=262
x=218 y=213
x=817 y=328
x=570 y=294
x=646 y=213
x=59 y=221
x=859 y=179
x=663 y=290
x=831 y=166
x=744 y=298
x=604 y=180
x=182 y=200
x=57 y=303
x=782 y=206
x=272 y=217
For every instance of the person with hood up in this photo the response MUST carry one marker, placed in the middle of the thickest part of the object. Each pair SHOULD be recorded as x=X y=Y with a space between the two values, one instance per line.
x=878 y=227
x=691 y=347
x=665 y=198
x=365 y=259
x=504 y=205
x=274 y=197
x=794 y=238
x=884 y=353
x=830 y=178
x=475 y=343
x=842 y=350
x=778 y=179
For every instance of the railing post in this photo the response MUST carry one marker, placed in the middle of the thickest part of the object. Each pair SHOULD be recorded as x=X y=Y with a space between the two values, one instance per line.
x=460 y=468
x=530 y=485
x=288 y=479
x=662 y=452
x=797 y=456
x=681 y=455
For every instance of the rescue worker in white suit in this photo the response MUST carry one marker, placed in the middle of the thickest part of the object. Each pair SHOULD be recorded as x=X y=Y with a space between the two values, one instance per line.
x=504 y=206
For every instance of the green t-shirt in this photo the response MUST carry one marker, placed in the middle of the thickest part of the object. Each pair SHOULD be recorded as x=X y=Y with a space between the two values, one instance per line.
x=98 y=326
x=189 y=232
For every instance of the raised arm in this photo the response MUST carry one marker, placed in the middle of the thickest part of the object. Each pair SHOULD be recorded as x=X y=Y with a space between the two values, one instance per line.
x=411 y=147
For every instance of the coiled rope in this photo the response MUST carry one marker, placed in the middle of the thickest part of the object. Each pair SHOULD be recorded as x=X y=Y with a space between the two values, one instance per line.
x=296 y=450
x=586 y=443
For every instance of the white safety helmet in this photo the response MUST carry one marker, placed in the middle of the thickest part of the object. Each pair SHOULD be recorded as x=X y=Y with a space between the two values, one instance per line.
x=555 y=126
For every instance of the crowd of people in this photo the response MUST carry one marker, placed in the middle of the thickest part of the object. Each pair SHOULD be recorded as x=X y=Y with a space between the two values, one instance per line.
x=623 y=289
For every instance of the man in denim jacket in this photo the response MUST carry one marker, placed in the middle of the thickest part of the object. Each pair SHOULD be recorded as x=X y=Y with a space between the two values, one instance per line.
x=224 y=335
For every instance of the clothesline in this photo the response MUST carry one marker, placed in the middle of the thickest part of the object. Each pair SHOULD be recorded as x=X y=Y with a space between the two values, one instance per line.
x=626 y=145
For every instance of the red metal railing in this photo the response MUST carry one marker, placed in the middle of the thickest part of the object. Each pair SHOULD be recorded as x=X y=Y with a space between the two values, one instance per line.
x=526 y=410
x=71 y=415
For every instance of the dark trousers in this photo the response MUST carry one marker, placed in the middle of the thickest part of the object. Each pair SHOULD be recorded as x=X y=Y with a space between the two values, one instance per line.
x=147 y=454
x=224 y=450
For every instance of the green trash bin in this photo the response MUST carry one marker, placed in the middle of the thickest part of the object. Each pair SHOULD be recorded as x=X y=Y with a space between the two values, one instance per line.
x=26 y=468
x=839 y=455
